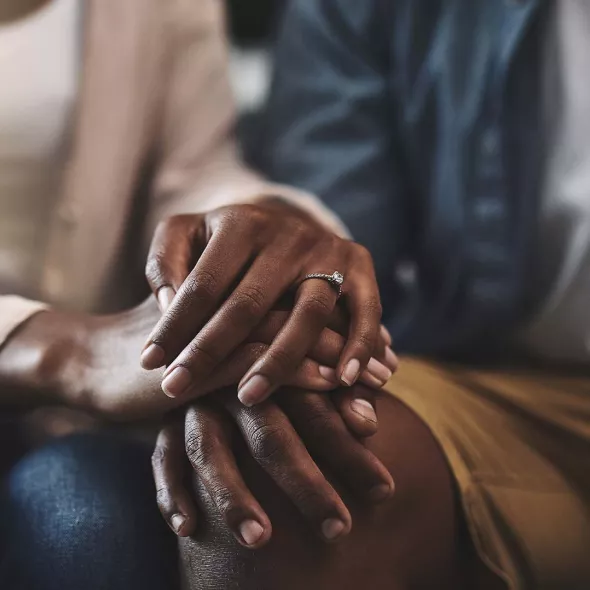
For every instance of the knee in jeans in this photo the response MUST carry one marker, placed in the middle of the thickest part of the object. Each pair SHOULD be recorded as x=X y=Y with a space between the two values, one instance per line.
x=88 y=501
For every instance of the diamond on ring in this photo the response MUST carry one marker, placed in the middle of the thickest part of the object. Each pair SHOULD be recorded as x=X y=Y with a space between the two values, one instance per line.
x=336 y=279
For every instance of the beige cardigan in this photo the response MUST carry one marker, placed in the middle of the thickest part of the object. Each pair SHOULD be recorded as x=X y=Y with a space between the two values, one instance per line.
x=154 y=88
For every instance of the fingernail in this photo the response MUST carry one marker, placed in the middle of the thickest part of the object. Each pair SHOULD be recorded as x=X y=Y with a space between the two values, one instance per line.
x=251 y=532
x=386 y=336
x=379 y=371
x=178 y=521
x=332 y=528
x=176 y=382
x=165 y=297
x=380 y=492
x=152 y=357
x=364 y=409
x=391 y=359
x=328 y=374
x=351 y=372
x=255 y=390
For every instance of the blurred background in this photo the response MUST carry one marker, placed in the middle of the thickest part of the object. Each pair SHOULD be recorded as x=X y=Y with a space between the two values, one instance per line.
x=252 y=27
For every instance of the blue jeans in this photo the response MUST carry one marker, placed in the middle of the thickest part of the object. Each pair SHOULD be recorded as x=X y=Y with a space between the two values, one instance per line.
x=81 y=513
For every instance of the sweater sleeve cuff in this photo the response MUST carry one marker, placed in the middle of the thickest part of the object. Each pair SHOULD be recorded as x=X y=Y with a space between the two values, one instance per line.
x=14 y=311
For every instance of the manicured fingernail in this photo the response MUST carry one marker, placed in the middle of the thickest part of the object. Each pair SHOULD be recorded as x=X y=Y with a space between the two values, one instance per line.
x=328 y=374
x=386 y=336
x=176 y=382
x=332 y=528
x=251 y=532
x=255 y=390
x=178 y=521
x=380 y=492
x=391 y=359
x=152 y=357
x=364 y=409
x=165 y=297
x=351 y=372
x=379 y=371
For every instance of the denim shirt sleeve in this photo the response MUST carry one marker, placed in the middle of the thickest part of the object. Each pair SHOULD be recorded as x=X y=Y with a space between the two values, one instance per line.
x=330 y=123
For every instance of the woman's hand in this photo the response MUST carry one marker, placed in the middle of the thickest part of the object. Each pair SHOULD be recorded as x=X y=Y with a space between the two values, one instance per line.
x=217 y=275
x=277 y=435
x=90 y=362
x=115 y=383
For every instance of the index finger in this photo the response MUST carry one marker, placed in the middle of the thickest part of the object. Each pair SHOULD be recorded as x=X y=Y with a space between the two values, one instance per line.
x=221 y=262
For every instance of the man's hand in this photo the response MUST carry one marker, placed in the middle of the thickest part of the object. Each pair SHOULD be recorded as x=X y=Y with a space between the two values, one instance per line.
x=217 y=275
x=282 y=436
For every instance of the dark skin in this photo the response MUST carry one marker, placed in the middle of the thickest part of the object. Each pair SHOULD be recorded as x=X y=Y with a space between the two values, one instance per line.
x=281 y=437
x=90 y=362
x=413 y=541
x=230 y=267
x=87 y=362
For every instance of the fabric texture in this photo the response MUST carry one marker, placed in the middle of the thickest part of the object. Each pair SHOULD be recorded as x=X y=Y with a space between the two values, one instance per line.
x=418 y=122
x=20 y=310
x=81 y=513
x=518 y=444
x=39 y=73
x=154 y=105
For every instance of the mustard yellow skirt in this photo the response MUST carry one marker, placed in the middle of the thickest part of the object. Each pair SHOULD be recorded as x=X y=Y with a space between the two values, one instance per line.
x=518 y=444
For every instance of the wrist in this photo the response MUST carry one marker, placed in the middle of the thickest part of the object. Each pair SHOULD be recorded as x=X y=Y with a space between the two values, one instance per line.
x=42 y=362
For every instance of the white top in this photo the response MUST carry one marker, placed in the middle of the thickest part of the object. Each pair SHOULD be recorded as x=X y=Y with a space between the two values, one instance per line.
x=562 y=331
x=39 y=80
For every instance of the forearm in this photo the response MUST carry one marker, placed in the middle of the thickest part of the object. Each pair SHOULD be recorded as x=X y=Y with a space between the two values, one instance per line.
x=37 y=362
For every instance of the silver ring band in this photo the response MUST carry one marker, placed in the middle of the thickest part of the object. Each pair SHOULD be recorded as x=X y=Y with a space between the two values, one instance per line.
x=336 y=279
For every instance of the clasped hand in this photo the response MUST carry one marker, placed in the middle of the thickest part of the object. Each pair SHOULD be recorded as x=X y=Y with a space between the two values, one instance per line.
x=222 y=280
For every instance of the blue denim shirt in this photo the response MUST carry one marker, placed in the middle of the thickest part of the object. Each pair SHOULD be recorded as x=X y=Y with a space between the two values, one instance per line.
x=417 y=121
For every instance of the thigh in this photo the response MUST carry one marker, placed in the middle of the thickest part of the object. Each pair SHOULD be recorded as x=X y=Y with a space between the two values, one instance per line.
x=518 y=444
x=411 y=541
x=81 y=513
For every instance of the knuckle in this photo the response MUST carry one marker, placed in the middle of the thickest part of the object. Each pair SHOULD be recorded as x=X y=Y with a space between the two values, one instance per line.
x=156 y=268
x=301 y=230
x=201 y=284
x=250 y=301
x=321 y=424
x=200 y=449
x=160 y=456
x=164 y=502
x=247 y=216
x=225 y=501
x=374 y=308
x=311 y=494
x=280 y=360
x=362 y=253
x=198 y=352
x=331 y=242
x=229 y=218
x=163 y=499
x=268 y=442
x=366 y=341
x=318 y=304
